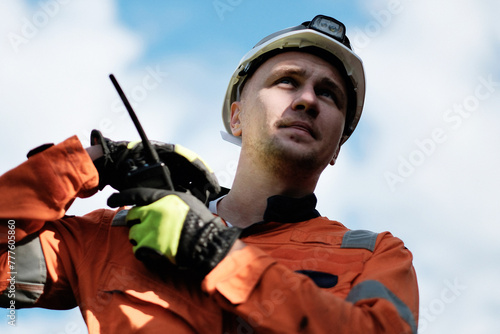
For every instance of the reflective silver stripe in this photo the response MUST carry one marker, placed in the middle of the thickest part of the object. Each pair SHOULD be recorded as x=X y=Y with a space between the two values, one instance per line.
x=359 y=239
x=30 y=274
x=119 y=218
x=374 y=289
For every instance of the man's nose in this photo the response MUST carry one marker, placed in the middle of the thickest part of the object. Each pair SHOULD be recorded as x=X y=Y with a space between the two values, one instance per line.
x=306 y=100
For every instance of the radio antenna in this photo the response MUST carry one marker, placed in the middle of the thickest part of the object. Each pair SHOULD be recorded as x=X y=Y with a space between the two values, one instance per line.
x=152 y=155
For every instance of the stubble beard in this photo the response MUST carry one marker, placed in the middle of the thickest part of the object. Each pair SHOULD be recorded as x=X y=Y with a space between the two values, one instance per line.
x=285 y=161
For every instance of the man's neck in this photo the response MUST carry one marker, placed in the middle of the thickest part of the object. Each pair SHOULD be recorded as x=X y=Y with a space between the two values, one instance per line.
x=246 y=202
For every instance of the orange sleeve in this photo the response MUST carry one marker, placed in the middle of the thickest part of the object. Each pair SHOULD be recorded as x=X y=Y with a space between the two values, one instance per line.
x=39 y=190
x=45 y=185
x=270 y=297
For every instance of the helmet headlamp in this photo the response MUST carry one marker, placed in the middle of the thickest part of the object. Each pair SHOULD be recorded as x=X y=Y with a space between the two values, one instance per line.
x=329 y=26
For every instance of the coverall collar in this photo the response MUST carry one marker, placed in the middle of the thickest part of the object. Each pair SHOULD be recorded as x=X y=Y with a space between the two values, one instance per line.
x=282 y=209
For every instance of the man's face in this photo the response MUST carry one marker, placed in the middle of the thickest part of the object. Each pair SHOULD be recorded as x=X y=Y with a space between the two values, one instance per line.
x=293 y=108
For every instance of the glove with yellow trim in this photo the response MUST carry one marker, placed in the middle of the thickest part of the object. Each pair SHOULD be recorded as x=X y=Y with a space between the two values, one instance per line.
x=176 y=226
x=187 y=170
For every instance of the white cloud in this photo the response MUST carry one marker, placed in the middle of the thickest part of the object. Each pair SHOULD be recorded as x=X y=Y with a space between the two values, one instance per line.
x=56 y=81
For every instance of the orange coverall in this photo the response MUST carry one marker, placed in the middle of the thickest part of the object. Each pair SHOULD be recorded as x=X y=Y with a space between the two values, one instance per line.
x=312 y=276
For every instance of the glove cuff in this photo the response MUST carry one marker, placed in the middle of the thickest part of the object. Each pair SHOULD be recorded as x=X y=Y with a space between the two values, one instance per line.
x=202 y=247
x=108 y=165
x=101 y=164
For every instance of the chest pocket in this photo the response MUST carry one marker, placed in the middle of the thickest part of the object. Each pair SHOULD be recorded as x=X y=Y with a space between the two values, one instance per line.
x=323 y=280
x=174 y=304
x=331 y=260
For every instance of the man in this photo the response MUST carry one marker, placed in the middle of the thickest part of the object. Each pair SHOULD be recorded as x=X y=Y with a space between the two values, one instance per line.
x=266 y=263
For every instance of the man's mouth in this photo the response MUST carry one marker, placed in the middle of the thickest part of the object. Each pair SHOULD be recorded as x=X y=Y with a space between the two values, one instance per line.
x=302 y=126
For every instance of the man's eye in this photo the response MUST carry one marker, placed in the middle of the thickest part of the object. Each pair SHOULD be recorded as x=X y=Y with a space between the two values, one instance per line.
x=286 y=81
x=327 y=94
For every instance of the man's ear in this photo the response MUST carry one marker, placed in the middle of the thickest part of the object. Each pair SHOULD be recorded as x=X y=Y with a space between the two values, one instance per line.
x=334 y=159
x=235 y=118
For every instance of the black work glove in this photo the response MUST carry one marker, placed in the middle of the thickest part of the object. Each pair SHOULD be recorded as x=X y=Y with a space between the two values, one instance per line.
x=187 y=170
x=175 y=226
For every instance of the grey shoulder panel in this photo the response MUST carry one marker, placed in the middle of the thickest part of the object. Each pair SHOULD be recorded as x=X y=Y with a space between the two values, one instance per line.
x=119 y=218
x=374 y=289
x=359 y=239
x=27 y=276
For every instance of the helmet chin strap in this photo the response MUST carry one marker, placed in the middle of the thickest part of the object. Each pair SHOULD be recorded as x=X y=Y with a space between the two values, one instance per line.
x=231 y=139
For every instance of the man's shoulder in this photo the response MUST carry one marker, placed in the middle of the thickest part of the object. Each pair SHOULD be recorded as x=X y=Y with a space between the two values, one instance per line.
x=354 y=238
x=85 y=226
x=323 y=228
x=95 y=217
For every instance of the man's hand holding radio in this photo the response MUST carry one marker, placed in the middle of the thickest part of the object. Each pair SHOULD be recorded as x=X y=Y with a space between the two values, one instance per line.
x=187 y=170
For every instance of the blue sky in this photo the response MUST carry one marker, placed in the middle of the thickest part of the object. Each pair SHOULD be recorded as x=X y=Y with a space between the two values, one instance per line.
x=204 y=25
x=423 y=162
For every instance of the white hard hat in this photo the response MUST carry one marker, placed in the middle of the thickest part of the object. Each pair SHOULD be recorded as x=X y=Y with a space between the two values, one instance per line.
x=323 y=33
